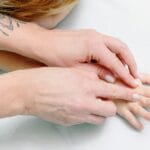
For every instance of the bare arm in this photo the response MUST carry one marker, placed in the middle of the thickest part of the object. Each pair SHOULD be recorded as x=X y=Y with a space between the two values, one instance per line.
x=11 y=103
x=14 y=35
x=11 y=61
x=8 y=24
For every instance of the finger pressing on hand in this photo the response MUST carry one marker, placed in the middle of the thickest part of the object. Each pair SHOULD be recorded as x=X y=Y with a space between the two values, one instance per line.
x=105 y=74
x=114 y=91
x=122 y=50
x=100 y=71
x=114 y=64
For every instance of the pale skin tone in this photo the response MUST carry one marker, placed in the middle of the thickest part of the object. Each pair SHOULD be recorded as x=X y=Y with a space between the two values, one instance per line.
x=79 y=104
x=74 y=49
x=50 y=100
x=130 y=111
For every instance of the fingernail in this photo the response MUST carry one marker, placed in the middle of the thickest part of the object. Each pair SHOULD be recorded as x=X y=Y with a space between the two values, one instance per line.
x=136 y=97
x=138 y=82
x=110 y=78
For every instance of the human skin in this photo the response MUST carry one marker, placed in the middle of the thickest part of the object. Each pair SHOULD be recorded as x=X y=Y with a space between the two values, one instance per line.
x=74 y=47
x=32 y=46
x=10 y=61
x=47 y=94
x=41 y=92
x=130 y=111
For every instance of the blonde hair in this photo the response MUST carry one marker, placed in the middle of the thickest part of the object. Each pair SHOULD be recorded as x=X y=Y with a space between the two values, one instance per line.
x=28 y=10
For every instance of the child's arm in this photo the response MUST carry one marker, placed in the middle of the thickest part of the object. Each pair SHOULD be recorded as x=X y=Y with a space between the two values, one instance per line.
x=11 y=62
x=131 y=110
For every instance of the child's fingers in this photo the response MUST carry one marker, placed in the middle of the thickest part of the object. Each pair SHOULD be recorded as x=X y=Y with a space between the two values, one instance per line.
x=132 y=120
x=140 y=111
x=145 y=102
x=145 y=78
x=146 y=91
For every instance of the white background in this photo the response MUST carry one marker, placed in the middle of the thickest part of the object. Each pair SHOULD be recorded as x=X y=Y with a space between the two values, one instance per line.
x=130 y=21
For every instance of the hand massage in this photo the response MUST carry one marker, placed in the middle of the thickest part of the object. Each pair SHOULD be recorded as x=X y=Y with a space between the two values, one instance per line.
x=67 y=77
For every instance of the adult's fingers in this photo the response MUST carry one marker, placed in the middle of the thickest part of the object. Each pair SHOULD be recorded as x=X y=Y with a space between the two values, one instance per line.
x=111 y=62
x=99 y=107
x=114 y=91
x=122 y=50
x=131 y=119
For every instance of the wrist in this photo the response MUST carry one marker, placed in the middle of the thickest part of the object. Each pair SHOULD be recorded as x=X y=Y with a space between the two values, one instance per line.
x=20 y=41
x=11 y=93
x=44 y=46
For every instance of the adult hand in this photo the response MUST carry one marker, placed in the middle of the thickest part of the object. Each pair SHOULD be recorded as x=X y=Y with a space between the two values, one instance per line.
x=67 y=96
x=68 y=48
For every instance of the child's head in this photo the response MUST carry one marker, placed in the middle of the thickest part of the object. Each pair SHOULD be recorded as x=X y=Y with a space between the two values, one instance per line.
x=27 y=10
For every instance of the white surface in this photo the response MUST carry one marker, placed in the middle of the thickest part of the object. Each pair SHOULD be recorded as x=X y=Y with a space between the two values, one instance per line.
x=126 y=19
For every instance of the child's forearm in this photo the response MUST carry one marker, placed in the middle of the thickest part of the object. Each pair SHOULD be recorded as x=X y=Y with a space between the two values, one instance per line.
x=11 y=62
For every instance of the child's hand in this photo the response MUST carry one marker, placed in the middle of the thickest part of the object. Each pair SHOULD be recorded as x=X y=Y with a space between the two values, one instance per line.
x=131 y=110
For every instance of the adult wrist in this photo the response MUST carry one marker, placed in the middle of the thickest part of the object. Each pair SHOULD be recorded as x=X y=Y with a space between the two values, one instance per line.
x=11 y=93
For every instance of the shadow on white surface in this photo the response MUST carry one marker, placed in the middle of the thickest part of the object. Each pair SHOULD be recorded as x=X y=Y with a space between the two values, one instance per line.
x=29 y=132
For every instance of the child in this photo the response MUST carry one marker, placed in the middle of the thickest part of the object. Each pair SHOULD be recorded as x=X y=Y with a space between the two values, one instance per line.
x=129 y=110
x=55 y=12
